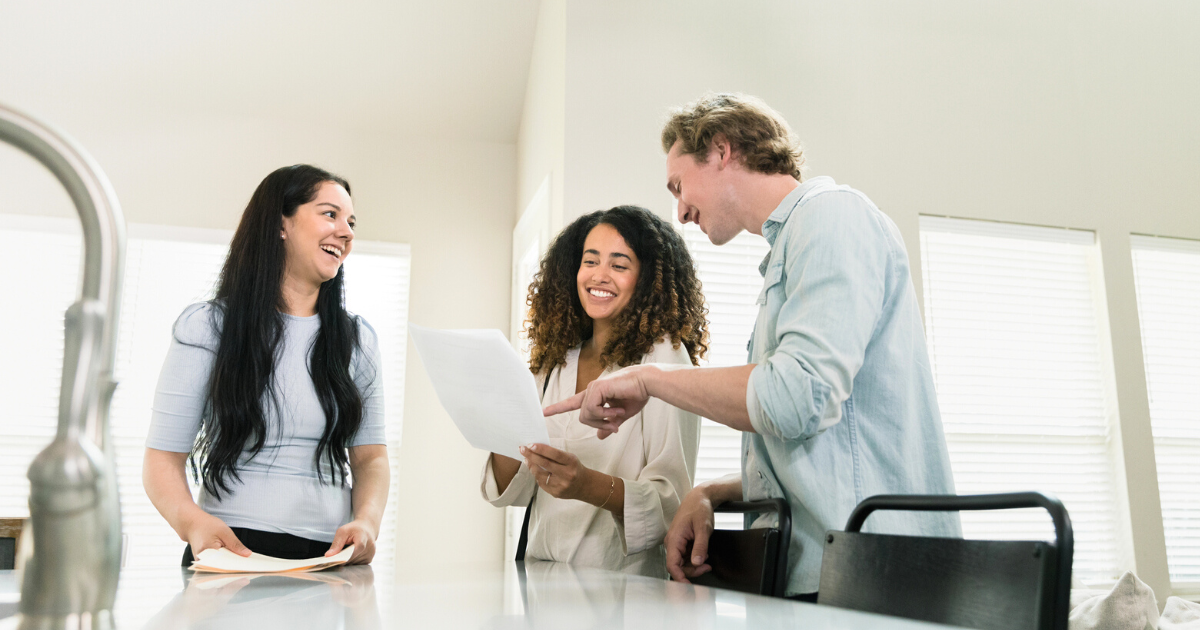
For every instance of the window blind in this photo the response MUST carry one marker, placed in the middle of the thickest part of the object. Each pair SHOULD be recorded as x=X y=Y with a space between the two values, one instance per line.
x=1167 y=275
x=729 y=274
x=1015 y=328
x=377 y=288
x=166 y=269
x=31 y=312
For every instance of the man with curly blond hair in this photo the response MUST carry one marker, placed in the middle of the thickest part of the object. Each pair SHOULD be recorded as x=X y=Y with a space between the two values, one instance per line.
x=837 y=401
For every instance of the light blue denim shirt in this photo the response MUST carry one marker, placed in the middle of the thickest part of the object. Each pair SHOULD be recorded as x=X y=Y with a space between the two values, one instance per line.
x=842 y=397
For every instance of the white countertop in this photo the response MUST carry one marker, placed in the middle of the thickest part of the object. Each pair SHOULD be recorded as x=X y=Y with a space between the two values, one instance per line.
x=540 y=595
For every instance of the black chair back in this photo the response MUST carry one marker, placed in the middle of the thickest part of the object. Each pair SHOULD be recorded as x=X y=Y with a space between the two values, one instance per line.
x=752 y=560
x=985 y=584
x=10 y=535
x=8 y=553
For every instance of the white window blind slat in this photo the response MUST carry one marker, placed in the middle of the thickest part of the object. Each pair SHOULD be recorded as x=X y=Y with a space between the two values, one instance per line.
x=161 y=278
x=377 y=288
x=31 y=314
x=166 y=269
x=729 y=275
x=1167 y=276
x=1016 y=347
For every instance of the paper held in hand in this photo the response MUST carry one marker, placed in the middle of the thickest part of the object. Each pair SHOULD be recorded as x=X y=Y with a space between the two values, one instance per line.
x=225 y=561
x=485 y=387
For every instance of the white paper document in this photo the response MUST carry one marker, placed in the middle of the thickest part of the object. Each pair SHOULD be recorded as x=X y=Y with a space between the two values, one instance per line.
x=485 y=387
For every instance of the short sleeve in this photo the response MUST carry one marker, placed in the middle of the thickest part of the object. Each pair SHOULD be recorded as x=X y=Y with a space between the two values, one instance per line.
x=368 y=377
x=180 y=396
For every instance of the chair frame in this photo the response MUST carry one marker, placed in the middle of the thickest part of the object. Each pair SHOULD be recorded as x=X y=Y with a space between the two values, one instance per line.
x=775 y=584
x=1064 y=535
x=10 y=528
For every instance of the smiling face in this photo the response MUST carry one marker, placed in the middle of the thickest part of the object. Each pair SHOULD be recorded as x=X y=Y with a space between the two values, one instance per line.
x=704 y=194
x=608 y=273
x=319 y=236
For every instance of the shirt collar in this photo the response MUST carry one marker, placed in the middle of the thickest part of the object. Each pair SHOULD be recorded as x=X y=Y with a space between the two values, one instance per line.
x=779 y=216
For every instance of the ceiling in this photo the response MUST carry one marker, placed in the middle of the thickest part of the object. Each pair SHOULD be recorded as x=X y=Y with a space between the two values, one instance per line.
x=453 y=69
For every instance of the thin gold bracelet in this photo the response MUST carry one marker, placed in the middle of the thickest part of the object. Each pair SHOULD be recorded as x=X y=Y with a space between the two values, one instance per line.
x=610 y=491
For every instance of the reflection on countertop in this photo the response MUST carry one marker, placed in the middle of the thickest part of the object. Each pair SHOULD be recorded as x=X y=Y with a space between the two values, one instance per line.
x=533 y=595
x=331 y=599
x=10 y=594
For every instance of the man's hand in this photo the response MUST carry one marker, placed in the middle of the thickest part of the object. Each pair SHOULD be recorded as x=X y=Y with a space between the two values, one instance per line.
x=206 y=531
x=691 y=528
x=359 y=533
x=608 y=401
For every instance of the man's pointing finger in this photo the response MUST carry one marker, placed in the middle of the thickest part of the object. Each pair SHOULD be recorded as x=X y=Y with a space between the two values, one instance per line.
x=563 y=406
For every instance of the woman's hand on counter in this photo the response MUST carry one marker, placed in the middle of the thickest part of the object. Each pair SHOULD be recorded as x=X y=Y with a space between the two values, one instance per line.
x=361 y=534
x=205 y=531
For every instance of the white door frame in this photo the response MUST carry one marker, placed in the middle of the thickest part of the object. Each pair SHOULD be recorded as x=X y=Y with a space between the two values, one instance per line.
x=531 y=238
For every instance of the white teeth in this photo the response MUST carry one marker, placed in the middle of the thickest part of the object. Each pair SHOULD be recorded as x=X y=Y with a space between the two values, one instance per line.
x=332 y=250
x=601 y=293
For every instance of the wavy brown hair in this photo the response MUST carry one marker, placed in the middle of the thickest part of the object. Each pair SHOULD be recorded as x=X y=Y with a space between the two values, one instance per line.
x=760 y=137
x=667 y=302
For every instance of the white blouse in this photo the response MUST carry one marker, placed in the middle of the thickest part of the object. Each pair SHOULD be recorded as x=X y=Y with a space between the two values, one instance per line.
x=654 y=452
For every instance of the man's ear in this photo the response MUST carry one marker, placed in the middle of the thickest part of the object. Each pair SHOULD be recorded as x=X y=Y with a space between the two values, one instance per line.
x=721 y=150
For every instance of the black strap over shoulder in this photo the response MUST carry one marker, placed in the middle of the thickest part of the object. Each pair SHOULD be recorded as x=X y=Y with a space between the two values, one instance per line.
x=524 y=539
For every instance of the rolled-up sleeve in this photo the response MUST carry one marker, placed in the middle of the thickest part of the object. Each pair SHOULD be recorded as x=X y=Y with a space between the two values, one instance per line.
x=518 y=493
x=672 y=439
x=833 y=277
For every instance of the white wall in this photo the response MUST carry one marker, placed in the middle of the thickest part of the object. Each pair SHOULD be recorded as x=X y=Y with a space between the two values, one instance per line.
x=453 y=202
x=540 y=140
x=1075 y=114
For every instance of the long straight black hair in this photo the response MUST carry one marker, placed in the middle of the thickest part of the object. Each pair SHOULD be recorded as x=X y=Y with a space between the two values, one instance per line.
x=249 y=322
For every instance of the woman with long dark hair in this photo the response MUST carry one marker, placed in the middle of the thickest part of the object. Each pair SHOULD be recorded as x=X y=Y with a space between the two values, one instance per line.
x=272 y=391
x=617 y=287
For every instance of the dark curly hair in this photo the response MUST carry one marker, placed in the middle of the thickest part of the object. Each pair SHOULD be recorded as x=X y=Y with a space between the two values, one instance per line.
x=666 y=303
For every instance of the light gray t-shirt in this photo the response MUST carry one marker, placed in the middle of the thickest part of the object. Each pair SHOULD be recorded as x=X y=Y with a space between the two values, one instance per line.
x=280 y=490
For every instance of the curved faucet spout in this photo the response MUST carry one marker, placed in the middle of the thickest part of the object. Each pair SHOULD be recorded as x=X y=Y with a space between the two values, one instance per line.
x=71 y=579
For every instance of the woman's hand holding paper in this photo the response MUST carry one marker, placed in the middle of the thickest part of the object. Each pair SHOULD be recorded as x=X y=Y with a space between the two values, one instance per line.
x=359 y=533
x=559 y=473
x=205 y=531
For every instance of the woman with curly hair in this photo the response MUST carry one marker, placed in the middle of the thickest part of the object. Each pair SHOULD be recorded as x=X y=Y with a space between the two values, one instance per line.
x=616 y=288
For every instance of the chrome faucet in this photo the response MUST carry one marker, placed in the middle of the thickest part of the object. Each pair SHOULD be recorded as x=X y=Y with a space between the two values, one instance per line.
x=70 y=581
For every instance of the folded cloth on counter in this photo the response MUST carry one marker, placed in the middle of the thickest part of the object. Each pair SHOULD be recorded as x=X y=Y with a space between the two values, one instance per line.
x=223 y=560
x=1130 y=605
x=1180 y=614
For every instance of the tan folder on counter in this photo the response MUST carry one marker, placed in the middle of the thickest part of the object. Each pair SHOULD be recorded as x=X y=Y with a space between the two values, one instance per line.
x=225 y=561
